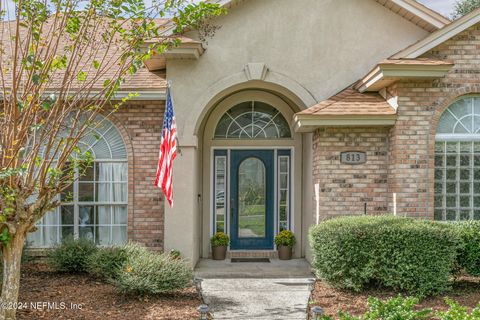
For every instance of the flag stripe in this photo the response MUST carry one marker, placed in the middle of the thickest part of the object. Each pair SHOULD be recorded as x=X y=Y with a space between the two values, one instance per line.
x=168 y=151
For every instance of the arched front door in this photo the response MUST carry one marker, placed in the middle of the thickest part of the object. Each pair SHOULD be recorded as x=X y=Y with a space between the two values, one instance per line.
x=252 y=199
x=250 y=160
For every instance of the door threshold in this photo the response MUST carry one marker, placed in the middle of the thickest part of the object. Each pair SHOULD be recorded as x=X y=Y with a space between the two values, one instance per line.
x=264 y=260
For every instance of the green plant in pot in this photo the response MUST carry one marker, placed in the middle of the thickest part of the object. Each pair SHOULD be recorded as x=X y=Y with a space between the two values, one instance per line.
x=219 y=243
x=285 y=241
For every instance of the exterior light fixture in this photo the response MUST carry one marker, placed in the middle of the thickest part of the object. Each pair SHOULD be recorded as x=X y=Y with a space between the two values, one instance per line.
x=203 y=309
x=317 y=313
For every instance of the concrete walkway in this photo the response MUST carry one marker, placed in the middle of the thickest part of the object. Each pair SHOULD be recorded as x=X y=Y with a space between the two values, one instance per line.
x=256 y=290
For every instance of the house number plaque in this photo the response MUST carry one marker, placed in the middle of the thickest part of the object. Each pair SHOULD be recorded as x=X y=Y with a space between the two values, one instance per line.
x=353 y=157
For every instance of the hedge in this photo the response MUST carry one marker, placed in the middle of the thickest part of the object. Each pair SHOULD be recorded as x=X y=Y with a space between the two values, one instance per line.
x=469 y=254
x=404 y=254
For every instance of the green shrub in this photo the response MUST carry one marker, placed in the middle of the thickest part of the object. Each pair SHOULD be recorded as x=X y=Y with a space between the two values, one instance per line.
x=107 y=262
x=405 y=254
x=457 y=312
x=469 y=255
x=219 y=239
x=285 y=238
x=71 y=255
x=147 y=272
x=394 y=308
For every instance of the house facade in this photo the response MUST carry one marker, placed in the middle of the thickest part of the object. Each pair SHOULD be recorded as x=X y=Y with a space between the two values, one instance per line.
x=290 y=114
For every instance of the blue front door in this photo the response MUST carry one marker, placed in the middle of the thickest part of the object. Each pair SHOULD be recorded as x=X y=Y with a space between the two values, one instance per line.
x=251 y=200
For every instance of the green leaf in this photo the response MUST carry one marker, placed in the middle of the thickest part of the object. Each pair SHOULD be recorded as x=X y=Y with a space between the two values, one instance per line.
x=36 y=79
x=82 y=76
x=96 y=64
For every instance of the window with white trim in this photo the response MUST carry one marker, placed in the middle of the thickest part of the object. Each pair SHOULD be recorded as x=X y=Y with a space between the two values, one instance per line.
x=457 y=162
x=95 y=206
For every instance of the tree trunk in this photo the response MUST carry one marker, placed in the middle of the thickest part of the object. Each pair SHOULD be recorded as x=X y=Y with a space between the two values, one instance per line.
x=12 y=256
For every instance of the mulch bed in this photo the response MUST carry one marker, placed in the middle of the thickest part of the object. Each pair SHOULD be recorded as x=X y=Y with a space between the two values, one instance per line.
x=466 y=291
x=98 y=300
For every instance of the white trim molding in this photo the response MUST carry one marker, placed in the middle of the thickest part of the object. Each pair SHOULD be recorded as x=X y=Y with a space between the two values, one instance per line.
x=308 y=122
x=439 y=36
x=386 y=73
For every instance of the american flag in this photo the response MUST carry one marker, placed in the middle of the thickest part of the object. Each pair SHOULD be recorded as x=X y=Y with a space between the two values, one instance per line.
x=168 y=151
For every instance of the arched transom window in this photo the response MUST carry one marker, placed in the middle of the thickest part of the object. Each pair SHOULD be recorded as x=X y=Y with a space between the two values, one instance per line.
x=95 y=206
x=457 y=162
x=252 y=120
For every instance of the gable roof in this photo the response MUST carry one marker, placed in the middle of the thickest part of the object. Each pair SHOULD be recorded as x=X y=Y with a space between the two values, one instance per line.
x=388 y=71
x=440 y=36
x=347 y=108
x=411 y=10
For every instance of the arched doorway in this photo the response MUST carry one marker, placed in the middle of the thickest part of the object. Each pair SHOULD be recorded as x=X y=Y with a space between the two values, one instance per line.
x=251 y=171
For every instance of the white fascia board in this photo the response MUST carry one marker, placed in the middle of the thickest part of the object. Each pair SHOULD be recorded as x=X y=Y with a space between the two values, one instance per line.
x=391 y=73
x=154 y=95
x=439 y=36
x=437 y=21
x=308 y=123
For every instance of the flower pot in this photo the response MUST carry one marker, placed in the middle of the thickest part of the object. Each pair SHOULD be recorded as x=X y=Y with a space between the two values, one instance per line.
x=284 y=253
x=219 y=253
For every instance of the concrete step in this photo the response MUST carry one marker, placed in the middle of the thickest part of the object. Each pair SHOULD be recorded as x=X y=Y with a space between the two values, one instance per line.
x=211 y=269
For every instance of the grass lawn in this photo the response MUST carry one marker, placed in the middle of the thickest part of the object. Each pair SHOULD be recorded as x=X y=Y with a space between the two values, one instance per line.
x=466 y=291
x=99 y=300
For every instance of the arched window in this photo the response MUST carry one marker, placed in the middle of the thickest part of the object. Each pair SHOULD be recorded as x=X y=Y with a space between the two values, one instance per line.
x=457 y=162
x=95 y=206
x=252 y=120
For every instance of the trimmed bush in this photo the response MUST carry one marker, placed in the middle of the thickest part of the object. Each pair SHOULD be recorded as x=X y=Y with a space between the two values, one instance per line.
x=469 y=255
x=147 y=272
x=400 y=253
x=107 y=262
x=71 y=255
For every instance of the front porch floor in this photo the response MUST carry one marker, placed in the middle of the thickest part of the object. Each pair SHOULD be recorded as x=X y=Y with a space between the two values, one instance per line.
x=295 y=268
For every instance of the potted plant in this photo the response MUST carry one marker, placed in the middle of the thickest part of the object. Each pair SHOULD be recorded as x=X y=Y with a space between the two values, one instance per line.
x=219 y=243
x=285 y=241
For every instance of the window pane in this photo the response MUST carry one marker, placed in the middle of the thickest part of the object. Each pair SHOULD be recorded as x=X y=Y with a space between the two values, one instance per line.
x=104 y=215
x=220 y=183
x=67 y=215
x=103 y=192
x=86 y=192
x=85 y=215
x=120 y=215
x=86 y=232
x=251 y=198
x=119 y=235
x=119 y=192
x=103 y=236
x=87 y=174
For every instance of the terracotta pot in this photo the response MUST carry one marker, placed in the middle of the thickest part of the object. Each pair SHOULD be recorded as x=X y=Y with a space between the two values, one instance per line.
x=219 y=253
x=284 y=253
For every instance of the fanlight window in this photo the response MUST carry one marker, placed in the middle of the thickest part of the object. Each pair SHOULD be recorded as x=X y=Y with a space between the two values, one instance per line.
x=457 y=162
x=252 y=120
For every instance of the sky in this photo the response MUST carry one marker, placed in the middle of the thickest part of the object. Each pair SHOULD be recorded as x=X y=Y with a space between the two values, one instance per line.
x=444 y=7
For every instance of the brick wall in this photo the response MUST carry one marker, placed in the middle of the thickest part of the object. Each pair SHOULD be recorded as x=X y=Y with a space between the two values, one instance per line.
x=345 y=188
x=140 y=123
x=421 y=104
